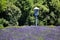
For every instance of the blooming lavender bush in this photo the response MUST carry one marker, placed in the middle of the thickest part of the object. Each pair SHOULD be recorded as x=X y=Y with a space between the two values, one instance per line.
x=30 y=33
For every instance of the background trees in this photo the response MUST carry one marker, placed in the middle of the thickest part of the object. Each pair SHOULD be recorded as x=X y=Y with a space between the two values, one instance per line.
x=20 y=12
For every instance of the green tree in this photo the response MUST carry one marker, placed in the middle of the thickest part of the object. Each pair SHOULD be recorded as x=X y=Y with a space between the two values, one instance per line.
x=14 y=13
x=25 y=7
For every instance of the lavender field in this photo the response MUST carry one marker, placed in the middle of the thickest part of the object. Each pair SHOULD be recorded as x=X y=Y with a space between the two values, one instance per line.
x=30 y=33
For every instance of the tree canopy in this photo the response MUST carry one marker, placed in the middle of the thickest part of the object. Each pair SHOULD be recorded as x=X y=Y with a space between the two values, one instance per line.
x=20 y=12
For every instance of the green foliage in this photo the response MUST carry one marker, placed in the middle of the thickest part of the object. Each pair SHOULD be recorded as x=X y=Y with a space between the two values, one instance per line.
x=3 y=5
x=56 y=4
x=58 y=20
x=40 y=38
x=41 y=23
x=3 y=22
x=21 y=12
x=14 y=14
x=25 y=7
x=1 y=26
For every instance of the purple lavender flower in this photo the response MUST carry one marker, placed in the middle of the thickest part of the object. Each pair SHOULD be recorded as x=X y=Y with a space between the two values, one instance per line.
x=30 y=33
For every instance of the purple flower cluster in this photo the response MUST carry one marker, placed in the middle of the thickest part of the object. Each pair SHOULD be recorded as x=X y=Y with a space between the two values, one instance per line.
x=30 y=33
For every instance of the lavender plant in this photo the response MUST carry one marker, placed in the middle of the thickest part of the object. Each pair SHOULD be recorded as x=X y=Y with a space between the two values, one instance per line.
x=30 y=33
